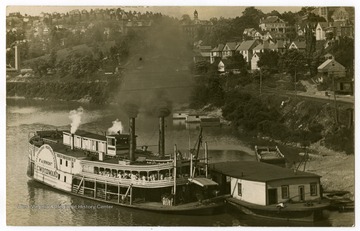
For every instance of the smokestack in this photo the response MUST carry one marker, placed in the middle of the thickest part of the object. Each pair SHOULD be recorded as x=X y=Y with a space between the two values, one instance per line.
x=17 y=58
x=72 y=141
x=161 y=136
x=132 y=139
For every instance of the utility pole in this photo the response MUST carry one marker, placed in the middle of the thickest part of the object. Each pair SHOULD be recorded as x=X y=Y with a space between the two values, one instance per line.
x=295 y=84
x=260 y=80
x=335 y=104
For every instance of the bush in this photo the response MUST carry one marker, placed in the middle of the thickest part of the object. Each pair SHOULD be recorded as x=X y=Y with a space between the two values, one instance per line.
x=341 y=140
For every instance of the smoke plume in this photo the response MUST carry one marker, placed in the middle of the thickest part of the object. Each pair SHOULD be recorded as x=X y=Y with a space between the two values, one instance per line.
x=75 y=117
x=116 y=127
x=131 y=109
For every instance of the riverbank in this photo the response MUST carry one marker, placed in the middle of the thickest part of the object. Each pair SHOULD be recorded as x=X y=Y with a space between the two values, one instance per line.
x=337 y=169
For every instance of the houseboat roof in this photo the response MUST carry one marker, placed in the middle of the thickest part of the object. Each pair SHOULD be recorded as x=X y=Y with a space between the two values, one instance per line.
x=257 y=171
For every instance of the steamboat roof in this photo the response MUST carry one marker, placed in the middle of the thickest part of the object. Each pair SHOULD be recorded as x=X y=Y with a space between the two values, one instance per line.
x=258 y=171
x=96 y=136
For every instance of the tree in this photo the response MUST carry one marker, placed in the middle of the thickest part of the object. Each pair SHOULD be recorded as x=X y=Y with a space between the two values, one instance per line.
x=293 y=62
x=268 y=60
x=185 y=19
x=310 y=49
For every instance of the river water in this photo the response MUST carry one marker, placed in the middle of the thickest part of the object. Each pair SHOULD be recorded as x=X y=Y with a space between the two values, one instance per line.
x=29 y=203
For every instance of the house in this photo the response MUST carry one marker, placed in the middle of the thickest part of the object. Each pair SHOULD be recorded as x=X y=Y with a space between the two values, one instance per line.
x=331 y=68
x=273 y=23
x=254 y=61
x=251 y=33
x=320 y=30
x=216 y=53
x=246 y=47
x=298 y=45
x=271 y=183
x=194 y=27
x=229 y=49
x=343 y=14
x=266 y=45
x=202 y=53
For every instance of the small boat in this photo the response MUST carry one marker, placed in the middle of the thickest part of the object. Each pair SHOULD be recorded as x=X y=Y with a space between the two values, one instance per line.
x=270 y=191
x=340 y=200
x=270 y=155
x=110 y=169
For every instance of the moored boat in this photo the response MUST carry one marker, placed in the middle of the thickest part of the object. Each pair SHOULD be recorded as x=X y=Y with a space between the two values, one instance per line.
x=270 y=155
x=110 y=169
x=270 y=191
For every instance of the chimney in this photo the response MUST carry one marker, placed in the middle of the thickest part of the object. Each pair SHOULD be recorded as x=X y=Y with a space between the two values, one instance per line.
x=161 y=136
x=132 y=139
x=72 y=141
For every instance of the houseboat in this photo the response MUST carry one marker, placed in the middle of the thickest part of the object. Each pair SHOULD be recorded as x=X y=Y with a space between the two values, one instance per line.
x=195 y=117
x=110 y=169
x=270 y=155
x=180 y=115
x=270 y=191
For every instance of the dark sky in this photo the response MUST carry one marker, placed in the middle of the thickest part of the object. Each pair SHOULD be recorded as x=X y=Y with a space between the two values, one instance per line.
x=205 y=12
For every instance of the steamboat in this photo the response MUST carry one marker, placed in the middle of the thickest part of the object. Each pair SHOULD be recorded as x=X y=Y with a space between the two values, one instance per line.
x=110 y=169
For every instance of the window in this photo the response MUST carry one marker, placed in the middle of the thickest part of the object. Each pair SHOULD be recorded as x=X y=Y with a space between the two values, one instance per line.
x=64 y=178
x=285 y=191
x=60 y=161
x=239 y=189
x=66 y=163
x=72 y=164
x=313 y=189
x=58 y=176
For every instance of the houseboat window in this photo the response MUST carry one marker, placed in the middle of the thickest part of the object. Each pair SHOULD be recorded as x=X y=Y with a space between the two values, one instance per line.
x=64 y=178
x=239 y=189
x=285 y=191
x=313 y=189
x=66 y=163
x=60 y=161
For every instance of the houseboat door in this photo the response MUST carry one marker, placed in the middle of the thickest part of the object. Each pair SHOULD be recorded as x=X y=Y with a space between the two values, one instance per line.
x=301 y=193
x=272 y=196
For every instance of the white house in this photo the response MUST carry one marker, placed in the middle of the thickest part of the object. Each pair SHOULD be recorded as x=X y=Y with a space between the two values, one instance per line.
x=245 y=48
x=320 y=32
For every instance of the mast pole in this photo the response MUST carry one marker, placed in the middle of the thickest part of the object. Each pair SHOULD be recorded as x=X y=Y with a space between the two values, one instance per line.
x=206 y=160
x=175 y=165
x=191 y=165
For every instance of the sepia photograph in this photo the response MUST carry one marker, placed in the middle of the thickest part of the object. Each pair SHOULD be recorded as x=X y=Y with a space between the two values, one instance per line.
x=180 y=116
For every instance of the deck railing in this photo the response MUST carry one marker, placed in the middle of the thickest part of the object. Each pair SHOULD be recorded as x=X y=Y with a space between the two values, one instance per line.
x=167 y=181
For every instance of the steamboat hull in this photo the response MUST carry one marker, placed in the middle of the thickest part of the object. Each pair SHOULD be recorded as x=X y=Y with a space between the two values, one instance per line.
x=210 y=207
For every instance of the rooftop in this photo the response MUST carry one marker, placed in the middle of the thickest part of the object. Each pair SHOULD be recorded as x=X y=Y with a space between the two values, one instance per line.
x=258 y=171
x=246 y=45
